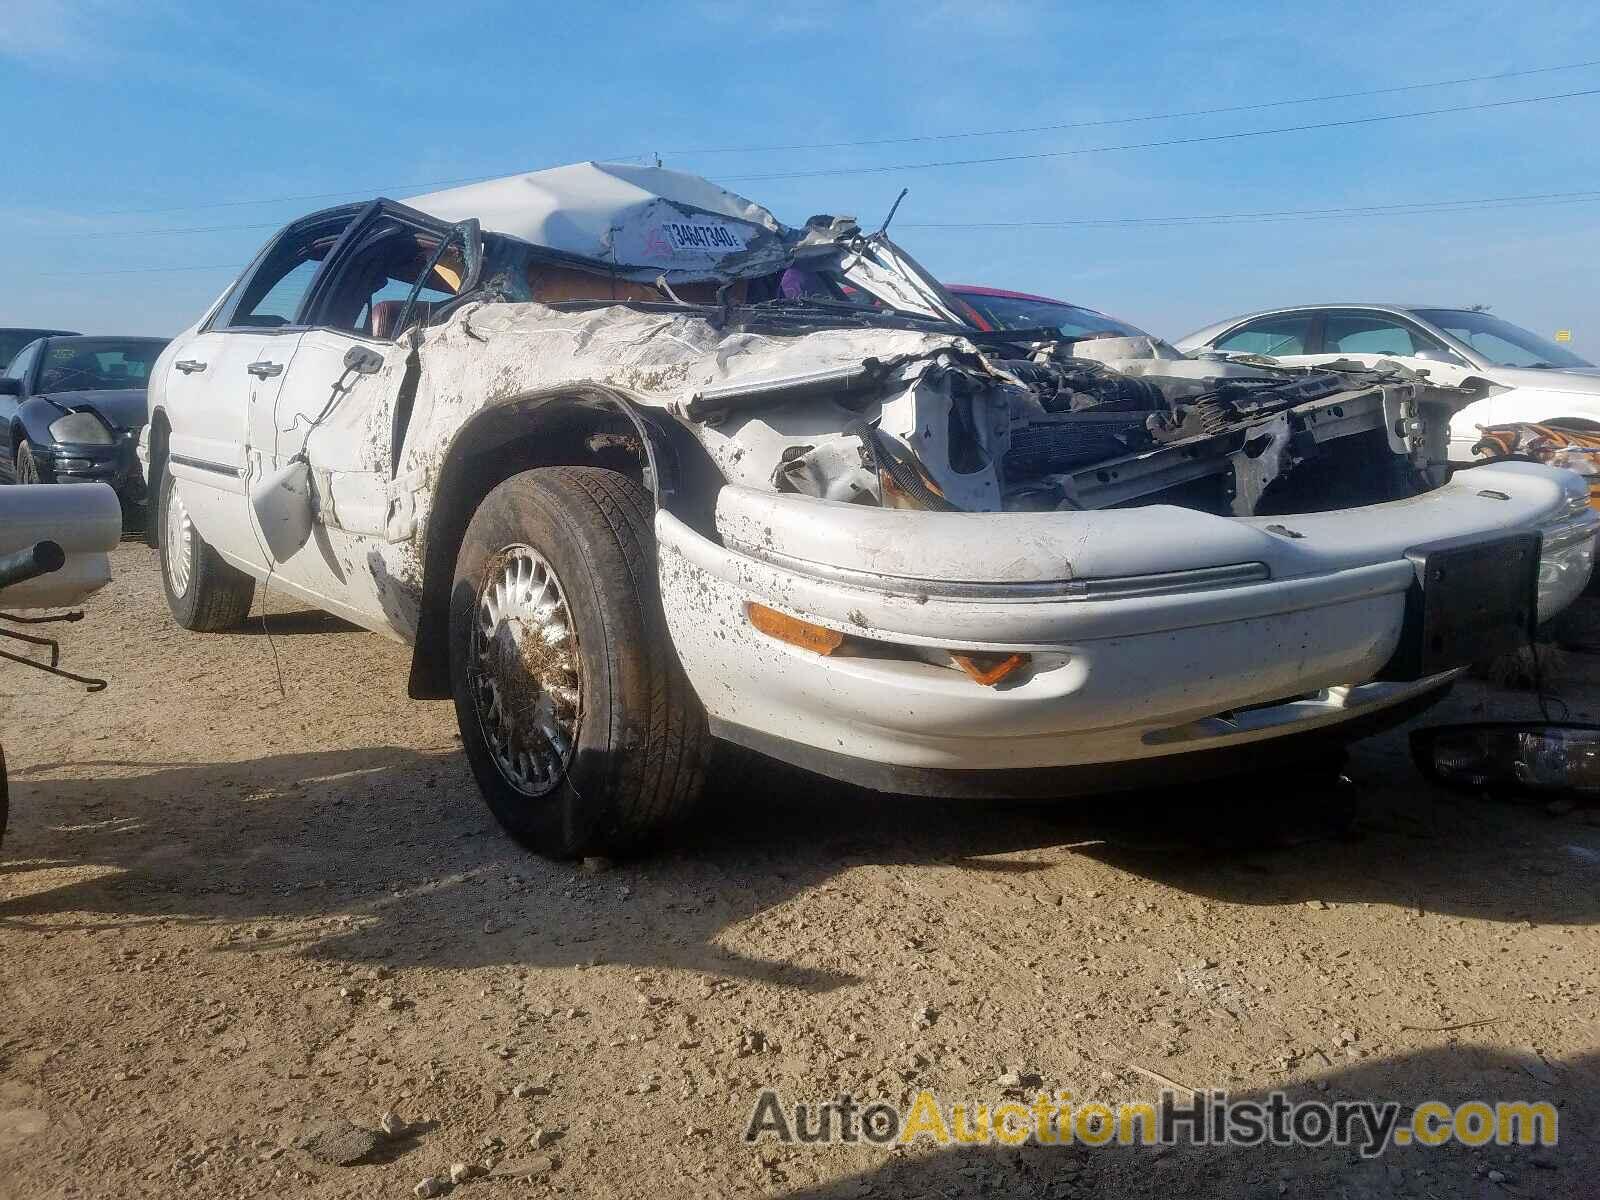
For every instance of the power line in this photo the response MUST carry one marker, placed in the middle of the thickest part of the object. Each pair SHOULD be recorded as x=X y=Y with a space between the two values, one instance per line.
x=1375 y=208
x=405 y=187
x=1408 y=208
x=112 y=233
x=389 y=189
x=1183 y=141
x=144 y=270
x=1266 y=104
x=1170 y=116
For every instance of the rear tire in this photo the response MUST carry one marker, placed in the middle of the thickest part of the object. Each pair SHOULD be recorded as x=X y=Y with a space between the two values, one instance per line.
x=581 y=728
x=27 y=466
x=204 y=593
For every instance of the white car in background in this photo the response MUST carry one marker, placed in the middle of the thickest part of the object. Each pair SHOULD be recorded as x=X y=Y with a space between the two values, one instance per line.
x=1520 y=375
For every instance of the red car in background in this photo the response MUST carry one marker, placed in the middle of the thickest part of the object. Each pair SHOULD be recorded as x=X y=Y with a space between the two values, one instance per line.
x=996 y=308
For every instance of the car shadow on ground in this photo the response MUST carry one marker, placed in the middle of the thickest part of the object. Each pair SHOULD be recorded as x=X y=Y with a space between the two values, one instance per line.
x=1454 y=1074
x=294 y=623
x=393 y=849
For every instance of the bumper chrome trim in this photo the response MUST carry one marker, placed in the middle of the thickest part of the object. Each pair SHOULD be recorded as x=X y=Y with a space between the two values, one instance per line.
x=1125 y=587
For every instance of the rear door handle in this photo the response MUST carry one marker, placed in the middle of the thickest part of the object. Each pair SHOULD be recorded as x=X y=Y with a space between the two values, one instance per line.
x=265 y=370
x=190 y=365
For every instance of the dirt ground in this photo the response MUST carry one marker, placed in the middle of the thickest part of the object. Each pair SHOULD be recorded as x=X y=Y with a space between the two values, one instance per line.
x=239 y=927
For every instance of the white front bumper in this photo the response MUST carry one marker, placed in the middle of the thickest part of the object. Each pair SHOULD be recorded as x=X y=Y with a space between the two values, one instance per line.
x=1115 y=677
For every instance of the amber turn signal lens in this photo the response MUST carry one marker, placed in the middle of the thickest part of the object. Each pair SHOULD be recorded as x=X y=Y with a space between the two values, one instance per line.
x=989 y=669
x=817 y=638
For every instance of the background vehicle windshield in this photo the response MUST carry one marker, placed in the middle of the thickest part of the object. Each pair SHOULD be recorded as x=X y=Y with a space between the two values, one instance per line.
x=1499 y=341
x=97 y=364
x=1008 y=312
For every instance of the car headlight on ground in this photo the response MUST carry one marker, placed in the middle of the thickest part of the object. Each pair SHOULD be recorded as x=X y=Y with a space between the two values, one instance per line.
x=1510 y=755
x=81 y=428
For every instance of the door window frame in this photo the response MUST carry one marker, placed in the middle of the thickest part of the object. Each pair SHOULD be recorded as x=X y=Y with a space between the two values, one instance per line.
x=325 y=286
x=1311 y=318
x=30 y=371
x=222 y=320
x=1420 y=337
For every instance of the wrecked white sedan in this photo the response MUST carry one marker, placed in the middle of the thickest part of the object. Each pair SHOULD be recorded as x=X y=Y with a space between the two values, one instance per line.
x=633 y=465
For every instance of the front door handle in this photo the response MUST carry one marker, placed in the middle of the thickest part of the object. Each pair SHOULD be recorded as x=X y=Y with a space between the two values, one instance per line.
x=189 y=365
x=265 y=370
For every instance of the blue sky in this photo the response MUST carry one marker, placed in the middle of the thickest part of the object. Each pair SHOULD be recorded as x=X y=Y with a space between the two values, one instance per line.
x=132 y=115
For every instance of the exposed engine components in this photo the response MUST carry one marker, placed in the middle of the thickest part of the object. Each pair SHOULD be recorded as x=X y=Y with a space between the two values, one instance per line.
x=1078 y=384
x=956 y=429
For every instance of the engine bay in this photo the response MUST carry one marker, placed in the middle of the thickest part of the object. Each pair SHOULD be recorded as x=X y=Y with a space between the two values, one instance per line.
x=1102 y=424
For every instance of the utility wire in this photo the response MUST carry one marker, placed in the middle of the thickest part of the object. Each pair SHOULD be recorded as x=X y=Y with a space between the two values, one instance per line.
x=1200 y=217
x=1168 y=116
x=1265 y=104
x=144 y=270
x=1410 y=208
x=1183 y=141
x=161 y=232
x=359 y=192
x=1287 y=214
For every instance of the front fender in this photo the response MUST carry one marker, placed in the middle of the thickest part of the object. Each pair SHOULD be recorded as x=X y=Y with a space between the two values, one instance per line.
x=33 y=417
x=591 y=424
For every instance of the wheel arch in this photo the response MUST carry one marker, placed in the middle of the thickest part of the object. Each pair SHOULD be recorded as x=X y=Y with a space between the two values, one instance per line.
x=33 y=417
x=574 y=425
x=159 y=437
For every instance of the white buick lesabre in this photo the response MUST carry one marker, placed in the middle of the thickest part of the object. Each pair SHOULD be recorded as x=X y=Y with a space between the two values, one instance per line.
x=633 y=465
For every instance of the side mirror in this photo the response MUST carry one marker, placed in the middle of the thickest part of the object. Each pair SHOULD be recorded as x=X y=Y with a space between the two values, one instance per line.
x=1438 y=356
x=362 y=360
x=10 y=387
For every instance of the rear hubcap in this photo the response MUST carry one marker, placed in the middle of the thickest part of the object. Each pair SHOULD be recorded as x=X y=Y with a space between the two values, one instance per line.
x=524 y=671
x=180 y=543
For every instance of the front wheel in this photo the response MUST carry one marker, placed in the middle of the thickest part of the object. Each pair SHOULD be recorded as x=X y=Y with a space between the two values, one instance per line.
x=204 y=593
x=583 y=732
x=27 y=466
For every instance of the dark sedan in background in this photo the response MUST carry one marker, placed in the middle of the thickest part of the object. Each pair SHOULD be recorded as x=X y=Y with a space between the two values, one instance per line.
x=12 y=340
x=71 y=409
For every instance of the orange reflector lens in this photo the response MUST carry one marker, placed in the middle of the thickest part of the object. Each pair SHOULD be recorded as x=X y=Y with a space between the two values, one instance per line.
x=816 y=638
x=989 y=669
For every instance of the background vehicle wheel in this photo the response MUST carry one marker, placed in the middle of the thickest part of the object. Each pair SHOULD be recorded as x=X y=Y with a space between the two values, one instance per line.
x=583 y=732
x=204 y=593
x=27 y=466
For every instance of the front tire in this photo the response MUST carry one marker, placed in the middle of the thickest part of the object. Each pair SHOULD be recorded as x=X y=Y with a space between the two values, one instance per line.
x=27 y=466
x=583 y=733
x=204 y=593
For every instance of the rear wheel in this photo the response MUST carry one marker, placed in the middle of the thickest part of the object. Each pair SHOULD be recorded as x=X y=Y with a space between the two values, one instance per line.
x=204 y=593
x=581 y=728
x=27 y=466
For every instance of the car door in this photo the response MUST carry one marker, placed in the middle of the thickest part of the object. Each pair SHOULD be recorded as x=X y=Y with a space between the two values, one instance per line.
x=393 y=264
x=20 y=371
x=232 y=367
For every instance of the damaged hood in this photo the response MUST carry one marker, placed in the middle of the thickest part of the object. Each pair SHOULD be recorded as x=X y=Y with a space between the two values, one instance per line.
x=122 y=408
x=938 y=420
x=641 y=221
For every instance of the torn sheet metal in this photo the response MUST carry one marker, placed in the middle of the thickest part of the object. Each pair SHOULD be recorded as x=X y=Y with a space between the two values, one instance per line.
x=902 y=418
